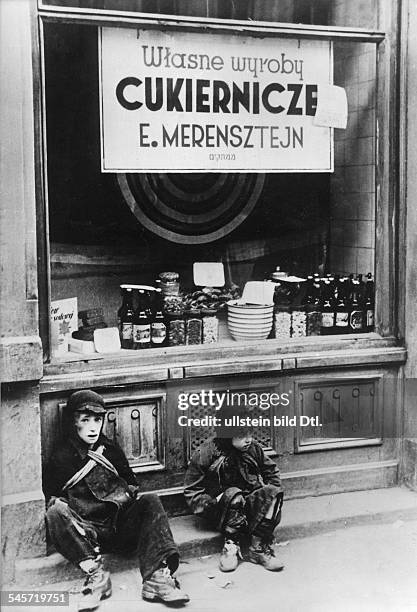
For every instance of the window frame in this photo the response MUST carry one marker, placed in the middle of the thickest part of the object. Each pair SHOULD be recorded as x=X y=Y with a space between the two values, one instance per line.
x=386 y=137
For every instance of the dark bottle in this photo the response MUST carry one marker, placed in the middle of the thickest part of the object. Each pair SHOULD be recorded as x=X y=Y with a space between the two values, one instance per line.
x=369 y=305
x=313 y=313
x=149 y=303
x=360 y=287
x=337 y=286
x=356 y=315
x=348 y=284
x=327 y=309
x=341 y=319
x=126 y=315
x=306 y=293
x=142 y=324
x=158 y=325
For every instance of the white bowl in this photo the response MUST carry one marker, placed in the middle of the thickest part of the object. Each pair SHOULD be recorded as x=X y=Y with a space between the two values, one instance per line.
x=250 y=328
x=238 y=307
x=238 y=336
x=251 y=332
x=244 y=322
x=245 y=317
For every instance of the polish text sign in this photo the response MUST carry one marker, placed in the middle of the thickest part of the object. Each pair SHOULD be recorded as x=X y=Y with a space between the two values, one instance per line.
x=194 y=102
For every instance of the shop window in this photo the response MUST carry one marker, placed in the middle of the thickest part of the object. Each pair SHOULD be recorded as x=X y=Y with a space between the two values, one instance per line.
x=305 y=223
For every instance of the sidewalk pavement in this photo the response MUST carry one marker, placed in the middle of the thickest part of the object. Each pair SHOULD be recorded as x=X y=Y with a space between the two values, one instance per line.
x=301 y=518
x=367 y=568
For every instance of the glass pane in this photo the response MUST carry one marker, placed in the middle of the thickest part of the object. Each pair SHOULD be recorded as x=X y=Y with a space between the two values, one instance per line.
x=307 y=223
x=352 y=185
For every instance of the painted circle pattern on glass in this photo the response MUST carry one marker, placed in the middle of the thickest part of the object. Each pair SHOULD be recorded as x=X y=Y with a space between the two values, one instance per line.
x=193 y=208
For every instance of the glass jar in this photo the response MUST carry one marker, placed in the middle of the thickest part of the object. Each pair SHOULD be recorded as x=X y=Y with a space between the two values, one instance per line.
x=313 y=322
x=194 y=326
x=282 y=323
x=176 y=329
x=210 y=327
x=298 y=323
x=173 y=303
x=169 y=283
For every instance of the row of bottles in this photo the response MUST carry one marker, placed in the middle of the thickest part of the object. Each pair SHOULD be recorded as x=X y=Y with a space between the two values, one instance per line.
x=141 y=320
x=149 y=318
x=324 y=306
x=335 y=305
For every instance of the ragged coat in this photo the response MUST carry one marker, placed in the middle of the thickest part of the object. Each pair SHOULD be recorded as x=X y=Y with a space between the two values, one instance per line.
x=217 y=465
x=100 y=494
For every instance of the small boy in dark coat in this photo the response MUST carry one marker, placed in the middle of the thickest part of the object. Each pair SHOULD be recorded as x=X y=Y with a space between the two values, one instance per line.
x=95 y=506
x=236 y=487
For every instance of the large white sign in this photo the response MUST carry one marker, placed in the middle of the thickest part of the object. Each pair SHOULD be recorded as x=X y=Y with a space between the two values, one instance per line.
x=183 y=102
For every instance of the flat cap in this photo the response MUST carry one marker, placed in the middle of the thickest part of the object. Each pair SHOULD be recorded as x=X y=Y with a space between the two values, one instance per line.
x=86 y=401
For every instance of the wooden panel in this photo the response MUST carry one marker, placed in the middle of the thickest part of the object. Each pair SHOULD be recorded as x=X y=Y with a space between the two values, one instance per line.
x=235 y=367
x=271 y=438
x=138 y=366
x=351 y=404
x=341 y=412
x=136 y=425
x=342 y=358
x=100 y=377
x=135 y=420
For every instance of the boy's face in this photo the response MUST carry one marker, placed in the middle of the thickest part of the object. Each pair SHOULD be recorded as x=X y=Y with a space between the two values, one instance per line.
x=88 y=426
x=242 y=443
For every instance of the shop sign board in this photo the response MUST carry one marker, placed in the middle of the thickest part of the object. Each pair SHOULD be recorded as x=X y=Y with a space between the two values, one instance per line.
x=175 y=101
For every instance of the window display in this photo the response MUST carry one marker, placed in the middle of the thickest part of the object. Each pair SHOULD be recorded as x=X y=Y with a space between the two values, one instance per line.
x=143 y=233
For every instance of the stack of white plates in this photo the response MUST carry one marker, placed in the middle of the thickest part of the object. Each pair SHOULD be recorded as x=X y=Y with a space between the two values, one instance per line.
x=249 y=321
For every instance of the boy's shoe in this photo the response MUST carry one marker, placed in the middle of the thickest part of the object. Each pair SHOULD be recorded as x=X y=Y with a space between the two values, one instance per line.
x=264 y=554
x=229 y=557
x=97 y=586
x=163 y=587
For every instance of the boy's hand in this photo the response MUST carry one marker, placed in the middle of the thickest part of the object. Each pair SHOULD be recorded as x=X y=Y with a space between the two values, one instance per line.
x=134 y=491
x=51 y=502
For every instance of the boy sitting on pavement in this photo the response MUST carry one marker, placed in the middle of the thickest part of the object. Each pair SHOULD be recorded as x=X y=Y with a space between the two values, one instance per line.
x=94 y=505
x=236 y=487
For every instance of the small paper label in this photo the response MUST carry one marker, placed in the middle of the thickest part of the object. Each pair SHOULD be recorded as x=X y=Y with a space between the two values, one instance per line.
x=369 y=318
x=158 y=332
x=342 y=319
x=64 y=320
x=327 y=319
x=107 y=340
x=258 y=292
x=356 y=319
x=208 y=274
x=332 y=107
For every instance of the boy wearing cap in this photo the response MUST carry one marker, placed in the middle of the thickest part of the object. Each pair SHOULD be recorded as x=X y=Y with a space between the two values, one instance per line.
x=232 y=483
x=94 y=506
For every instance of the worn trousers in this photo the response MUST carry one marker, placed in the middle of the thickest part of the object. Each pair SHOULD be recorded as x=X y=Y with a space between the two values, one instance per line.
x=141 y=527
x=240 y=512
